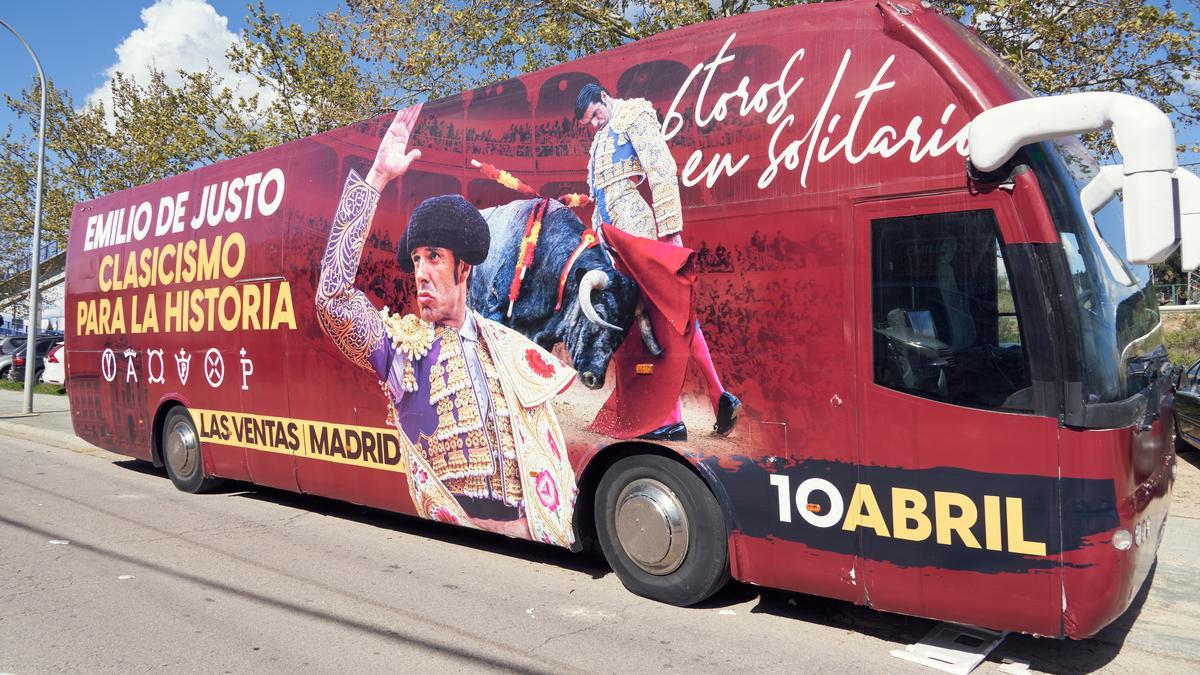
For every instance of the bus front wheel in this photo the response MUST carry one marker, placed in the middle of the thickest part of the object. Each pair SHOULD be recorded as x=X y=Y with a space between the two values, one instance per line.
x=662 y=530
x=181 y=453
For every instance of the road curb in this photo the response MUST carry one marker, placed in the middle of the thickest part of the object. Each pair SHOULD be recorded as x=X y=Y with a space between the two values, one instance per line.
x=59 y=439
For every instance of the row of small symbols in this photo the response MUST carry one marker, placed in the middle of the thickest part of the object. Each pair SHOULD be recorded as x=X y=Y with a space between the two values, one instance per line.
x=214 y=366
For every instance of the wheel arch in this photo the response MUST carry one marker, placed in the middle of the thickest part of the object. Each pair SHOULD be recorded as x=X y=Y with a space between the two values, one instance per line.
x=596 y=466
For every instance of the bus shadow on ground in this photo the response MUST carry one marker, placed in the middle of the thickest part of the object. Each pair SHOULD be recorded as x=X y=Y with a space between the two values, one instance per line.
x=1191 y=456
x=1043 y=654
x=1078 y=656
x=587 y=563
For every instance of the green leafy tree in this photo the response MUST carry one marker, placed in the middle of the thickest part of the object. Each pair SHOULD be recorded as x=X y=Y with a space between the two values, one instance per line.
x=78 y=151
x=1141 y=47
x=311 y=79
x=415 y=51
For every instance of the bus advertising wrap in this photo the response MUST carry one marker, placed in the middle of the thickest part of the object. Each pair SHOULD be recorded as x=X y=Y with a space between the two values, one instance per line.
x=459 y=310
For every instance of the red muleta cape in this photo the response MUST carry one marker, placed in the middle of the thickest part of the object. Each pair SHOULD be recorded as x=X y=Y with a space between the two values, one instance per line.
x=666 y=276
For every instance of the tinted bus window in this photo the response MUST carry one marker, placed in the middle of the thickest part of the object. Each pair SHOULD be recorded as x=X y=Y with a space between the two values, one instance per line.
x=945 y=320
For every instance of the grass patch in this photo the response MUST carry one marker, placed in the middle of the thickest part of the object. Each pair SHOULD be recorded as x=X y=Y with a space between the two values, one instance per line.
x=1182 y=333
x=56 y=389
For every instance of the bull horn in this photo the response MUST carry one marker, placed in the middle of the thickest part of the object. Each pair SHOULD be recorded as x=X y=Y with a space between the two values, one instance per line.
x=647 y=330
x=594 y=280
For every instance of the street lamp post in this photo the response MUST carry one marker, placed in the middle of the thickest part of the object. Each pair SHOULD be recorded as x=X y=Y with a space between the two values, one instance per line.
x=36 y=252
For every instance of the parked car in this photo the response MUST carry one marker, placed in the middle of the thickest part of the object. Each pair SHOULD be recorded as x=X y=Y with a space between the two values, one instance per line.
x=41 y=348
x=54 y=370
x=8 y=347
x=1187 y=409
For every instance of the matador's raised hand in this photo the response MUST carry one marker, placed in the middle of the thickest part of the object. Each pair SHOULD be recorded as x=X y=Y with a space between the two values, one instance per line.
x=394 y=157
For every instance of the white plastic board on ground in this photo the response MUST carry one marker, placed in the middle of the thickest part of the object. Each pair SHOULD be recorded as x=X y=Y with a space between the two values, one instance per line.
x=952 y=648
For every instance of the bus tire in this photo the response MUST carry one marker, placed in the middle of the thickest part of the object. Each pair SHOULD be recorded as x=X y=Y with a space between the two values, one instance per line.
x=182 y=455
x=662 y=530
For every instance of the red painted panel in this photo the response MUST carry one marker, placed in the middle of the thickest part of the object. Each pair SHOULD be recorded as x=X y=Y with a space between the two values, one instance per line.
x=1101 y=581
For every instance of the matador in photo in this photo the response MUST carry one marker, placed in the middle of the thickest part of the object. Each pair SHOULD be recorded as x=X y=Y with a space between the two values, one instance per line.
x=627 y=149
x=470 y=398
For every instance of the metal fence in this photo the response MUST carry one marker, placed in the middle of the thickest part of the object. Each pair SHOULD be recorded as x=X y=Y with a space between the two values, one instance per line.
x=1177 y=294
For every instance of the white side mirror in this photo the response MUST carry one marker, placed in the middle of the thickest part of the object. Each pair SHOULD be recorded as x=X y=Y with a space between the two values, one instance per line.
x=1144 y=136
x=1189 y=217
x=1112 y=179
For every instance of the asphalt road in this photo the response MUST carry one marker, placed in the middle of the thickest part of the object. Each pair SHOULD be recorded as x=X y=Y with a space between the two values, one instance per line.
x=105 y=567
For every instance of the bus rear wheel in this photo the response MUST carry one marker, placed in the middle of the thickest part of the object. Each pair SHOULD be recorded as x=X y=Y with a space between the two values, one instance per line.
x=662 y=530
x=182 y=455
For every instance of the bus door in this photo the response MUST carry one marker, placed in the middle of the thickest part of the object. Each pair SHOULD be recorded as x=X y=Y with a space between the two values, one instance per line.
x=955 y=509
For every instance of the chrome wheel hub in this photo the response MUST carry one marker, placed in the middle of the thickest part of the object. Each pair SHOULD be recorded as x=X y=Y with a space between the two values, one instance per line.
x=652 y=526
x=182 y=449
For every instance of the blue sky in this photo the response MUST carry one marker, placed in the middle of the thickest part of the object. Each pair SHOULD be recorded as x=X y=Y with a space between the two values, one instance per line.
x=77 y=41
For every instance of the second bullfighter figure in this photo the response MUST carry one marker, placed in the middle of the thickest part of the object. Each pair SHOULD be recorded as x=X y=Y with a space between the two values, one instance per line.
x=629 y=147
x=470 y=398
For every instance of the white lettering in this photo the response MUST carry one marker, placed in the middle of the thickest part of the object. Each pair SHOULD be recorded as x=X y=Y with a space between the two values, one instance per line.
x=783 y=486
x=826 y=138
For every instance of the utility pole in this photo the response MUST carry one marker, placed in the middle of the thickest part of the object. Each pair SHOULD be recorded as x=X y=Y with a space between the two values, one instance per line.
x=36 y=246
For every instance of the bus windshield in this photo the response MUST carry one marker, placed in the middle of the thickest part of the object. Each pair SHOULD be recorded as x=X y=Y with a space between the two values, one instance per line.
x=1118 y=312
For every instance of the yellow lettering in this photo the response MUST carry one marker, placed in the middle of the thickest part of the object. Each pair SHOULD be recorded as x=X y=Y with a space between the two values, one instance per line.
x=197 y=320
x=165 y=274
x=175 y=312
x=284 y=314
x=105 y=312
x=1016 y=530
x=105 y=278
x=991 y=523
x=87 y=317
x=234 y=243
x=118 y=318
x=188 y=274
x=144 y=263
x=864 y=511
x=209 y=260
x=251 y=301
x=229 y=322
x=909 y=505
x=211 y=295
x=960 y=522
x=150 y=320
x=130 y=280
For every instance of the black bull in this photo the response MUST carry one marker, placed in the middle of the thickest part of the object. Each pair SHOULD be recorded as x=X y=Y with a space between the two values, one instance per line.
x=590 y=345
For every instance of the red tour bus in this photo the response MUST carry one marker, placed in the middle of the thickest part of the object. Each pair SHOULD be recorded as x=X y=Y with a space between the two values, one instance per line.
x=808 y=298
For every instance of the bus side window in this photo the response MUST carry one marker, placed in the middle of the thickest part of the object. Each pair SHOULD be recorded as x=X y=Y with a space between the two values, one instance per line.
x=944 y=317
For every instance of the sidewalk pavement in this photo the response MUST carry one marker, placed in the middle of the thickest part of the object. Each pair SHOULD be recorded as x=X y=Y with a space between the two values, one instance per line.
x=50 y=422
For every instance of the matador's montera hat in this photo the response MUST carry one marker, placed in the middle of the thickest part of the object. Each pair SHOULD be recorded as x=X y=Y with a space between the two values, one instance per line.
x=446 y=221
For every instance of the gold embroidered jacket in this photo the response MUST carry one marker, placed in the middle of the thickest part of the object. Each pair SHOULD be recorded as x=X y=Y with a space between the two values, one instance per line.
x=515 y=452
x=628 y=150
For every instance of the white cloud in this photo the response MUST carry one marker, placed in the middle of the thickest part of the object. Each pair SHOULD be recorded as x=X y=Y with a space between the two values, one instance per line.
x=177 y=35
